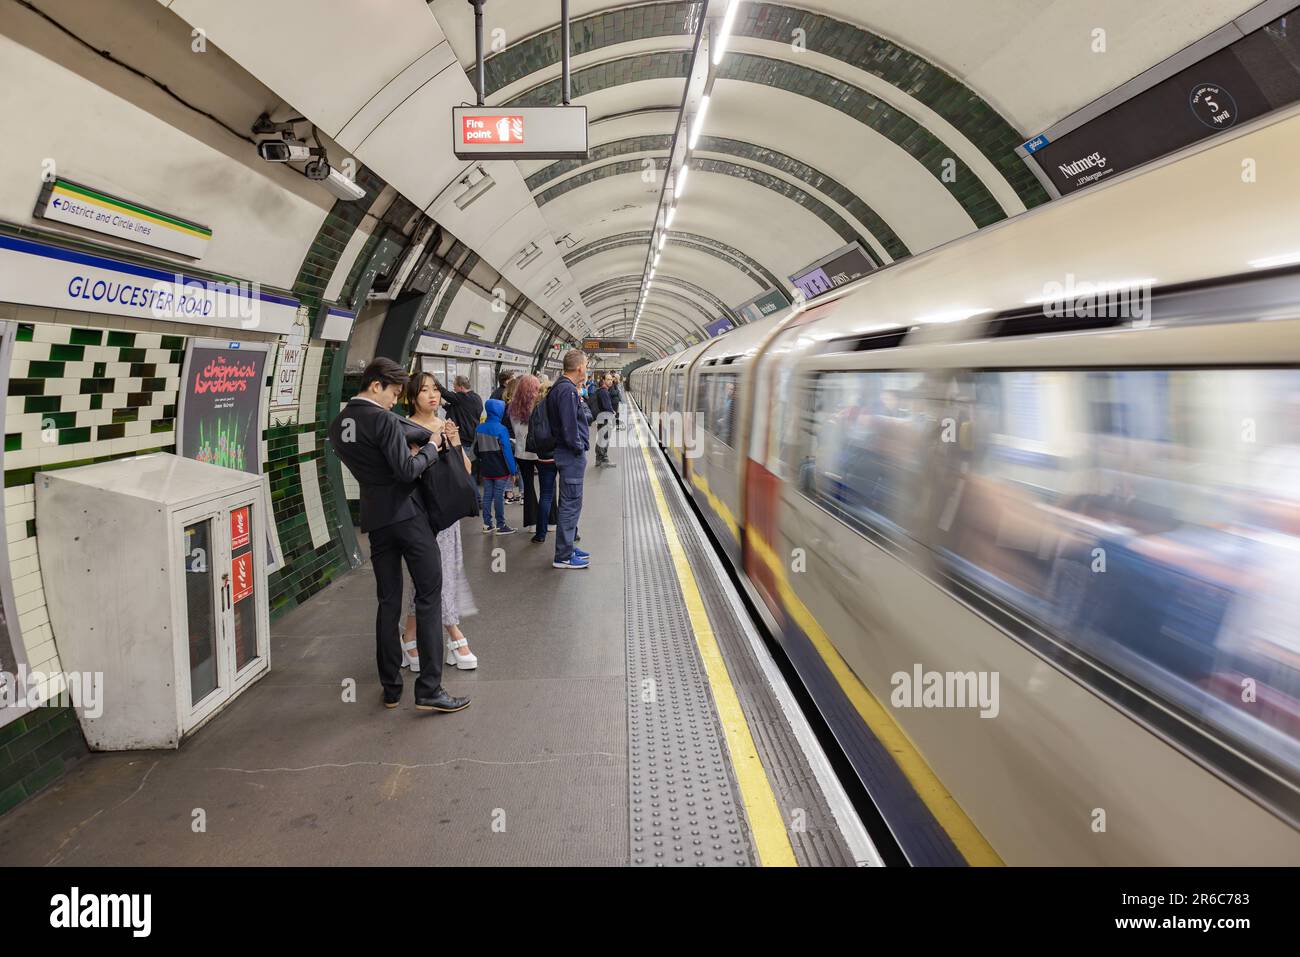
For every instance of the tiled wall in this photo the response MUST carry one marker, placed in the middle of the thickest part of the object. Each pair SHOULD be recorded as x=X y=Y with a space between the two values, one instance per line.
x=86 y=388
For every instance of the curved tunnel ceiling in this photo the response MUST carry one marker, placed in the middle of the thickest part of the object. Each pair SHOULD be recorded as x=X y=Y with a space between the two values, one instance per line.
x=830 y=122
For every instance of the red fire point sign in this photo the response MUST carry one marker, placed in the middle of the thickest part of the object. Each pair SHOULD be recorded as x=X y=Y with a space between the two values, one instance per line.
x=241 y=570
x=239 y=527
x=492 y=130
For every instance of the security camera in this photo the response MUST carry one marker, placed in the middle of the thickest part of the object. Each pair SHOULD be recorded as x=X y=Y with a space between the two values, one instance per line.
x=317 y=168
x=342 y=187
x=287 y=150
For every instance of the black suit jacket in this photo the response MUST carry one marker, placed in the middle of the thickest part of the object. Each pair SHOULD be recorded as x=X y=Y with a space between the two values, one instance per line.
x=372 y=443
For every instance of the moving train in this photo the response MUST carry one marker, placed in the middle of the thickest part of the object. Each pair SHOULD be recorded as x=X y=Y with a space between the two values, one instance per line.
x=1024 y=514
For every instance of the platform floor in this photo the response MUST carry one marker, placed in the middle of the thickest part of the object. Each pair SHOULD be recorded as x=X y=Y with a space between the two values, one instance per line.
x=594 y=736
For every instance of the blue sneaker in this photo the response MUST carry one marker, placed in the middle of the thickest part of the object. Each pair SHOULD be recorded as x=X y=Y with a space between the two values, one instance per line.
x=581 y=554
x=573 y=562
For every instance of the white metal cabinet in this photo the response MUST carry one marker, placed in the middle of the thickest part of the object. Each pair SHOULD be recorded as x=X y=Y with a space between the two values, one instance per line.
x=155 y=577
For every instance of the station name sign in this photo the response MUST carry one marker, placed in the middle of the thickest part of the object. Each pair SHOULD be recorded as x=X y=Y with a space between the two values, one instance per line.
x=519 y=133
x=609 y=345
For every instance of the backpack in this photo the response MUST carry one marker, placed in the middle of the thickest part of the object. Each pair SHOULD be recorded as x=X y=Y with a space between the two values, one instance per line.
x=541 y=440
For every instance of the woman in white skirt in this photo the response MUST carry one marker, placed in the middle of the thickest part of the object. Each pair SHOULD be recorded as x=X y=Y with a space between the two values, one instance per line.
x=424 y=399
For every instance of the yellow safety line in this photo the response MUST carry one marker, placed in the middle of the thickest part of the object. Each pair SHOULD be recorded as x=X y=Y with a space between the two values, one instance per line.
x=965 y=836
x=771 y=839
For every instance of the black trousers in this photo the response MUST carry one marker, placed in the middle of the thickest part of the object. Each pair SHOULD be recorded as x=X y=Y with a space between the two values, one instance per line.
x=414 y=541
x=527 y=478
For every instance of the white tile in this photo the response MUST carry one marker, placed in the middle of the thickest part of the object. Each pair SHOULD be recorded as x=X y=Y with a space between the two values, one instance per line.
x=158 y=355
x=78 y=370
x=63 y=387
x=160 y=439
x=24 y=566
x=48 y=332
x=128 y=384
x=75 y=403
x=172 y=384
x=114 y=400
x=14 y=405
x=19 y=512
x=18 y=367
x=23 y=604
x=44 y=651
x=53 y=454
x=306 y=442
x=32 y=350
x=20 y=546
x=117 y=370
x=27 y=583
x=23 y=459
x=121 y=446
x=137 y=428
x=15 y=532
x=148 y=340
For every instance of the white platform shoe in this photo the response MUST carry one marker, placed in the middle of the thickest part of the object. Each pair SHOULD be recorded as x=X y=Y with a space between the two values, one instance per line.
x=411 y=656
x=460 y=658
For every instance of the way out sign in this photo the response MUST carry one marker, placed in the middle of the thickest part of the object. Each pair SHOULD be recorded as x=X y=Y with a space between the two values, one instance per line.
x=519 y=133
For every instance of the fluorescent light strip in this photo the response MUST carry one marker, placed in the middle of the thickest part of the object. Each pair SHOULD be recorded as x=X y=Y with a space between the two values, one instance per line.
x=699 y=122
x=668 y=220
x=681 y=180
x=724 y=34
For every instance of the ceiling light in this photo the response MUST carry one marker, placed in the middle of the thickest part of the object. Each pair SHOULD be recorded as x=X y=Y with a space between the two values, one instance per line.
x=663 y=238
x=668 y=220
x=699 y=122
x=476 y=186
x=681 y=180
x=657 y=256
x=724 y=34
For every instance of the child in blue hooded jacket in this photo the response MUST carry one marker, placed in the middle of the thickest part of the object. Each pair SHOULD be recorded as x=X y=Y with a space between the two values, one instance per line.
x=496 y=463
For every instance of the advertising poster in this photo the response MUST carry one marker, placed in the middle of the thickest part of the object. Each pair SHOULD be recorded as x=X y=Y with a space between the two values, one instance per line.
x=220 y=415
x=220 y=419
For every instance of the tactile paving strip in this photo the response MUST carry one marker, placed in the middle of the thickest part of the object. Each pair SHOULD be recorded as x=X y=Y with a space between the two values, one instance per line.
x=816 y=840
x=682 y=806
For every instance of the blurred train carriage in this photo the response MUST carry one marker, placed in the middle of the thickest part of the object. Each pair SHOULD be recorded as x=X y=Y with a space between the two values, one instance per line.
x=937 y=466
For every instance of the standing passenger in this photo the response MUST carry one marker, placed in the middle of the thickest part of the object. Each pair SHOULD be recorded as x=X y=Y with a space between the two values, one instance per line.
x=496 y=464
x=569 y=427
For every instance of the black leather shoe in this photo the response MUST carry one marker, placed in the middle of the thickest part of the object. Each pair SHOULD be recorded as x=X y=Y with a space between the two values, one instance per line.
x=390 y=703
x=441 y=701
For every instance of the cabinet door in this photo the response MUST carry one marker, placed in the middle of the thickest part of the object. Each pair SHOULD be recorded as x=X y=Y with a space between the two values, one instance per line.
x=205 y=676
x=245 y=604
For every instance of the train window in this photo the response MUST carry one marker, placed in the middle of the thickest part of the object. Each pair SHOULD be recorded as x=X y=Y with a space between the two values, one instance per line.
x=722 y=421
x=702 y=399
x=1149 y=519
x=679 y=391
x=865 y=458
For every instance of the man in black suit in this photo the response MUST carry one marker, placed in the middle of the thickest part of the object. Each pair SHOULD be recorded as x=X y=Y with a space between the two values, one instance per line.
x=370 y=440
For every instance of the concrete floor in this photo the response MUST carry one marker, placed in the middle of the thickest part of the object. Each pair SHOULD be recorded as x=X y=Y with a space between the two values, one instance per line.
x=534 y=772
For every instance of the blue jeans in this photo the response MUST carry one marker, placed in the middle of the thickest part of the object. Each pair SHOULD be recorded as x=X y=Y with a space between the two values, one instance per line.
x=494 y=494
x=546 y=473
x=572 y=468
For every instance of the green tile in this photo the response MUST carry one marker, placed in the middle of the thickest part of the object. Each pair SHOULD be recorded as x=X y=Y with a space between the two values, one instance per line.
x=13 y=441
x=118 y=338
x=73 y=436
x=45 y=403
x=130 y=355
x=31 y=528
x=162 y=425
x=12 y=796
x=26 y=386
x=46 y=774
x=14 y=729
x=25 y=332
x=125 y=415
x=87 y=337
x=100 y=370
x=97 y=401
x=67 y=353
x=172 y=342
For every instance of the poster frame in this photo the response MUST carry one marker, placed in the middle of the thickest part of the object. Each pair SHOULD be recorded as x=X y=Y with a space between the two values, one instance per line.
x=274 y=553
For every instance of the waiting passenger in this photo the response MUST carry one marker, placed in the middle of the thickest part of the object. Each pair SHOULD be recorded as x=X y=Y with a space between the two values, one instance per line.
x=503 y=380
x=518 y=411
x=369 y=439
x=616 y=399
x=496 y=466
x=424 y=402
x=569 y=428
x=604 y=421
